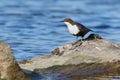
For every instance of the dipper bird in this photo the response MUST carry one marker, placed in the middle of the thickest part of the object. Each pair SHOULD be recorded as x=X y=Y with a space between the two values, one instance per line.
x=75 y=28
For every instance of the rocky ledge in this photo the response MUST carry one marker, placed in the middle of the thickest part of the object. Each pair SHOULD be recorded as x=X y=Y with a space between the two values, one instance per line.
x=96 y=58
x=92 y=59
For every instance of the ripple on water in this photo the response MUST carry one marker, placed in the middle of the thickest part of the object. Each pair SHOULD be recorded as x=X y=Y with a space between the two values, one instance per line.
x=103 y=26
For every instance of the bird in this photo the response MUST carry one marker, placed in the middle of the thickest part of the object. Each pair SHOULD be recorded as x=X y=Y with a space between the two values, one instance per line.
x=76 y=29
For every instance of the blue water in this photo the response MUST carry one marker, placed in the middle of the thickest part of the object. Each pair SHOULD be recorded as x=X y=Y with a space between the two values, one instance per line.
x=33 y=27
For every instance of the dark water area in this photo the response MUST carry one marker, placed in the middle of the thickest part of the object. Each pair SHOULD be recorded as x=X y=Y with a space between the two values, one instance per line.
x=33 y=27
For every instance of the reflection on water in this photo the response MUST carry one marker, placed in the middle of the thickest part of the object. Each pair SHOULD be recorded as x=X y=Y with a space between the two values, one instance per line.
x=33 y=27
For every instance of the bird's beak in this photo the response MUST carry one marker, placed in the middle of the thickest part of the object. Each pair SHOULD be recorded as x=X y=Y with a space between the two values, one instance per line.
x=62 y=21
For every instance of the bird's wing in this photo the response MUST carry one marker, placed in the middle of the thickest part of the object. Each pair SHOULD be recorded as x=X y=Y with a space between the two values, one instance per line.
x=82 y=26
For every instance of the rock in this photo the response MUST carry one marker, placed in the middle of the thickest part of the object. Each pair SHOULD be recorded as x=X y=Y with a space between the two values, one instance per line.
x=94 y=36
x=78 y=60
x=9 y=68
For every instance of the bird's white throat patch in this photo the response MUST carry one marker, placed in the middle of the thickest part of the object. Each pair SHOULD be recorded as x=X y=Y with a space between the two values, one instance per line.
x=73 y=29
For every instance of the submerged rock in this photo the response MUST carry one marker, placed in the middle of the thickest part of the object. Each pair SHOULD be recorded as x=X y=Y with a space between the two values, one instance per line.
x=78 y=60
x=9 y=68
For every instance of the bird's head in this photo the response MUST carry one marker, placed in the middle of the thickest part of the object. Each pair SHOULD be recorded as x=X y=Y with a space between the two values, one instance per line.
x=68 y=20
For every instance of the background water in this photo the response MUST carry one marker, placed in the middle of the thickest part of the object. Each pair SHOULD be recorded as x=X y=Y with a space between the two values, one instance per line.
x=33 y=27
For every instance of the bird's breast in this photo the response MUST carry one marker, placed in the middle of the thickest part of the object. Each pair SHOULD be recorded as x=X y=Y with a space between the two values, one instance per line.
x=73 y=29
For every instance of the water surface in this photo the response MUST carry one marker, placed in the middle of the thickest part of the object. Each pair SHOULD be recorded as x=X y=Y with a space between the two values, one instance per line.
x=33 y=27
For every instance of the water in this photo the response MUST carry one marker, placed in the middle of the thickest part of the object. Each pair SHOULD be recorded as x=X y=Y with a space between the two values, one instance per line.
x=33 y=27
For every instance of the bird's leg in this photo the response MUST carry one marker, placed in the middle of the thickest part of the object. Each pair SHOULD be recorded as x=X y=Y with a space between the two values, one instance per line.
x=77 y=42
x=84 y=41
x=81 y=39
x=76 y=38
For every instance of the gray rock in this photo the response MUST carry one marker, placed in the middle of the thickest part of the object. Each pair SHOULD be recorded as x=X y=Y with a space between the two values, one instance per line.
x=77 y=60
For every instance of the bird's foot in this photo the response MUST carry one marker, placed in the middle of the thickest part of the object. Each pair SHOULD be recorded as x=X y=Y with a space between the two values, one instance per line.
x=76 y=44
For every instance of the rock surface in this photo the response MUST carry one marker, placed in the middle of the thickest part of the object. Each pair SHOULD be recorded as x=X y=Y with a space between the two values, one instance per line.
x=9 y=68
x=78 y=60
